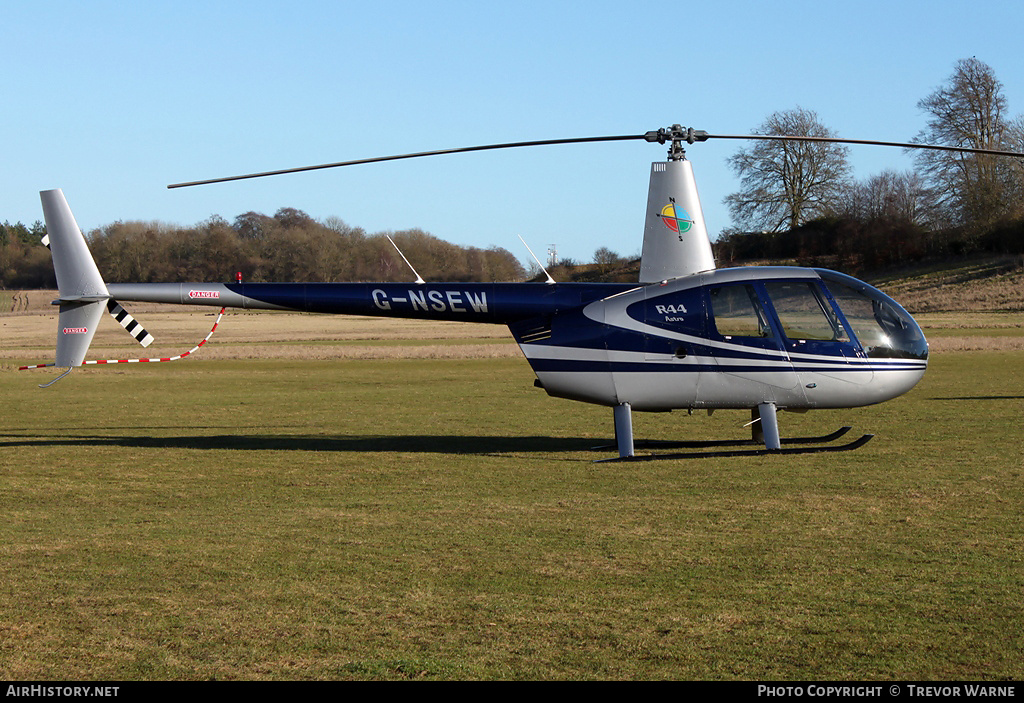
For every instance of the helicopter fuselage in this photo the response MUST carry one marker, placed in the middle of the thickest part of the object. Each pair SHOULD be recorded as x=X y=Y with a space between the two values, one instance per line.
x=728 y=338
x=734 y=338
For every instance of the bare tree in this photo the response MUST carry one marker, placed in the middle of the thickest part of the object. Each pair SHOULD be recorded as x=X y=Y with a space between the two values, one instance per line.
x=970 y=111
x=890 y=195
x=783 y=184
x=606 y=259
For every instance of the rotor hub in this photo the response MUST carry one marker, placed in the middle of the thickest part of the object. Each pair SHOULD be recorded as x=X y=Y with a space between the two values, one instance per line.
x=675 y=136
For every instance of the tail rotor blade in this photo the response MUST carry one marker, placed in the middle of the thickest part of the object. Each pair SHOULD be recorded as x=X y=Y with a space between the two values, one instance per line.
x=124 y=318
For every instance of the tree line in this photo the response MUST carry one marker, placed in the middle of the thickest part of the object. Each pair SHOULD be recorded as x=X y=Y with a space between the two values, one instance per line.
x=798 y=200
x=288 y=246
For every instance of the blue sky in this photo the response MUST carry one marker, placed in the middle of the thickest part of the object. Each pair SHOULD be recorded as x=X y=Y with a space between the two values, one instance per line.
x=112 y=101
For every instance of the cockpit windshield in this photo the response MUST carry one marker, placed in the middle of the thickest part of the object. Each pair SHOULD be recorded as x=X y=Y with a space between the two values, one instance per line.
x=883 y=328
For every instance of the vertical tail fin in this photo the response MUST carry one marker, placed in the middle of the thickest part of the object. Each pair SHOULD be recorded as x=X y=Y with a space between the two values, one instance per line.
x=83 y=294
x=77 y=275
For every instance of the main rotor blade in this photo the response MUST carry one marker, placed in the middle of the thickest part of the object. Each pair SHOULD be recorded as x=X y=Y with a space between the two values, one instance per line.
x=674 y=134
x=840 y=140
x=397 y=157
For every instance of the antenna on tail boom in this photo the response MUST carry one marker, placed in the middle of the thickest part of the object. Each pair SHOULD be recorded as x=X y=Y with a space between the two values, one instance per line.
x=419 y=278
x=550 y=279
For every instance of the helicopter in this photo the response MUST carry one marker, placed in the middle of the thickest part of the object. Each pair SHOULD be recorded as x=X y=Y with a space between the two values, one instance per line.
x=687 y=336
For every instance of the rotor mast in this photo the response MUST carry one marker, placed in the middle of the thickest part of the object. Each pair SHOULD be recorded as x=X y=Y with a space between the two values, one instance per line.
x=676 y=241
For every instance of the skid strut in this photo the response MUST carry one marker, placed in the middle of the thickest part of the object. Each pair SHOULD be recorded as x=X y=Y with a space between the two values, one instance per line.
x=624 y=430
x=769 y=426
x=764 y=436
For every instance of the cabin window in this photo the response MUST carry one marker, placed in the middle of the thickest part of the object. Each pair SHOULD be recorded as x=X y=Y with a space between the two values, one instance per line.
x=804 y=313
x=864 y=315
x=883 y=328
x=737 y=312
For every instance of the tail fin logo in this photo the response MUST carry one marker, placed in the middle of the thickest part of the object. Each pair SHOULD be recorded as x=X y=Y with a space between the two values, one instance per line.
x=675 y=218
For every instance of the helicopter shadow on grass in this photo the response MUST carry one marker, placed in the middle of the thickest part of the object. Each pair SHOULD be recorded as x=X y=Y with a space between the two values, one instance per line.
x=980 y=397
x=442 y=444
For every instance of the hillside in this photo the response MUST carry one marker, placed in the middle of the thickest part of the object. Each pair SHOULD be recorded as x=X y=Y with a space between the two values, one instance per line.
x=969 y=284
x=984 y=284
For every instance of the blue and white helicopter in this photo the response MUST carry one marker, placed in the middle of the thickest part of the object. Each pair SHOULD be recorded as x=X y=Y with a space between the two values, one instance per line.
x=687 y=336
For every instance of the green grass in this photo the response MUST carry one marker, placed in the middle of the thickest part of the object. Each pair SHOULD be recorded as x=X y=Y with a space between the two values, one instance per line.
x=444 y=519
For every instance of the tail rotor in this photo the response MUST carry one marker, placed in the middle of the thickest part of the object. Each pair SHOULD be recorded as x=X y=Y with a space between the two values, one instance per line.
x=83 y=296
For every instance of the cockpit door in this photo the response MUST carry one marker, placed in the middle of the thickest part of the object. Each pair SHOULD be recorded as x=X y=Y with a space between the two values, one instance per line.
x=814 y=334
x=744 y=341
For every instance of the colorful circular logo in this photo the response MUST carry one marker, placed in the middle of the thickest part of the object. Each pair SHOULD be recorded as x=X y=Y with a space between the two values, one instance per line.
x=676 y=219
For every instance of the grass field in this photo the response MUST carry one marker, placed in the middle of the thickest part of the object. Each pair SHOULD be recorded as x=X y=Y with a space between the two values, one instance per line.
x=313 y=498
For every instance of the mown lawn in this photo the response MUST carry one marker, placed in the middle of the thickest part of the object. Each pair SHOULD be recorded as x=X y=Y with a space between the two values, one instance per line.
x=444 y=519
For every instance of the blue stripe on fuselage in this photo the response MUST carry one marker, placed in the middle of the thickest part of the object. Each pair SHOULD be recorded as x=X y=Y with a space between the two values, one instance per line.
x=501 y=303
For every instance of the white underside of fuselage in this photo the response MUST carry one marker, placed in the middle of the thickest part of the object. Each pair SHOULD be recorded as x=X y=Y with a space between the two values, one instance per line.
x=795 y=381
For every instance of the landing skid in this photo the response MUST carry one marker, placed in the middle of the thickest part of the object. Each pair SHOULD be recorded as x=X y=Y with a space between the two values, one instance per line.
x=855 y=444
x=671 y=444
x=764 y=433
